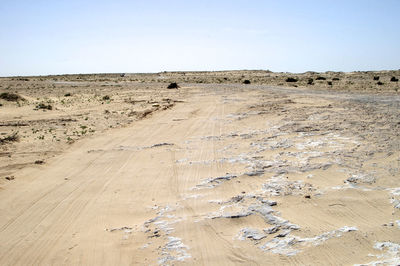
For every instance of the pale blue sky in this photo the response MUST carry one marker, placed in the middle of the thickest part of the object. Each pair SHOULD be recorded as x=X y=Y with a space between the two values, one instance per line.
x=42 y=37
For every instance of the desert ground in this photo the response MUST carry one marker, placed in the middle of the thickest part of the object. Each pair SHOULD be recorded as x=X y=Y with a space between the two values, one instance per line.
x=232 y=167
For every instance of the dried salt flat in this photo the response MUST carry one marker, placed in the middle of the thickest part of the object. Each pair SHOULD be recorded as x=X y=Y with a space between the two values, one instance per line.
x=287 y=245
x=173 y=250
x=391 y=255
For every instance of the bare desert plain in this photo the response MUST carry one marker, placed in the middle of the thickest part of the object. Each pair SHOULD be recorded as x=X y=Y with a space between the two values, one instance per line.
x=232 y=167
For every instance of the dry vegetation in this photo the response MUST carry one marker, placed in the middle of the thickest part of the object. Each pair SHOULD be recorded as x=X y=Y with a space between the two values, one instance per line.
x=360 y=81
x=47 y=112
x=41 y=116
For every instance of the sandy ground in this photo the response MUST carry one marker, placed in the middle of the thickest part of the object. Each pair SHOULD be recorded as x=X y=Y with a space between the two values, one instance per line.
x=210 y=174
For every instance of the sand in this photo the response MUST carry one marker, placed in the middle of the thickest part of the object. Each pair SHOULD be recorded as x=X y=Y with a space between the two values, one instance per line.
x=209 y=174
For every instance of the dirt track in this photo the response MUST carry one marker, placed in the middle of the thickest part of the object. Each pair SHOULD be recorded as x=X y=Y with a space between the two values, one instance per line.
x=234 y=175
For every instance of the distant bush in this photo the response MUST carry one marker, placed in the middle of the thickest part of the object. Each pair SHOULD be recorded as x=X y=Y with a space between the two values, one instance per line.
x=68 y=94
x=376 y=78
x=11 y=97
x=44 y=106
x=291 y=80
x=320 y=78
x=173 y=85
x=310 y=81
x=394 y=79
x=336 y=79
x=246 y=81
x=380 y=83
x=330 y=83
x=106 y=98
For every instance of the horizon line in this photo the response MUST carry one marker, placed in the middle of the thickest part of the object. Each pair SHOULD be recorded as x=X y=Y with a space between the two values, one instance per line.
x=195 y=71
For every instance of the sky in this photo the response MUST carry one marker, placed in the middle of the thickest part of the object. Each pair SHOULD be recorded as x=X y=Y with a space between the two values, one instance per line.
x=39 y=37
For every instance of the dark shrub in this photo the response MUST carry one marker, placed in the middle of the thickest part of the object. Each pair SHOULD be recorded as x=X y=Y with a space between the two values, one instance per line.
x=394 y=79
x=11 y=97
x=291 y=80
x=336 y=79
x=11 y=138
x=173 y=85
x=68 y=94
x=376 y=78
x=246 y=81
x=380 y=83
x=106 y=98
x=330 y=83
x=310 y=81
x=122 y=75
x=44 y=106
x=320 y=78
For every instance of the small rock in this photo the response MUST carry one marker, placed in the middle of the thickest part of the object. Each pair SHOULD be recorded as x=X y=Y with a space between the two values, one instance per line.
x=272 y=230
x=283 y=233
x=389 y=224
x=255 y=173
x=270 y=202
x=253 y=234
x=156 y=233
x=237 y=198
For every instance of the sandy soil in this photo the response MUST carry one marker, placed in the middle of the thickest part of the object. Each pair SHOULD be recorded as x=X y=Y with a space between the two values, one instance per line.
x=208 y=174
